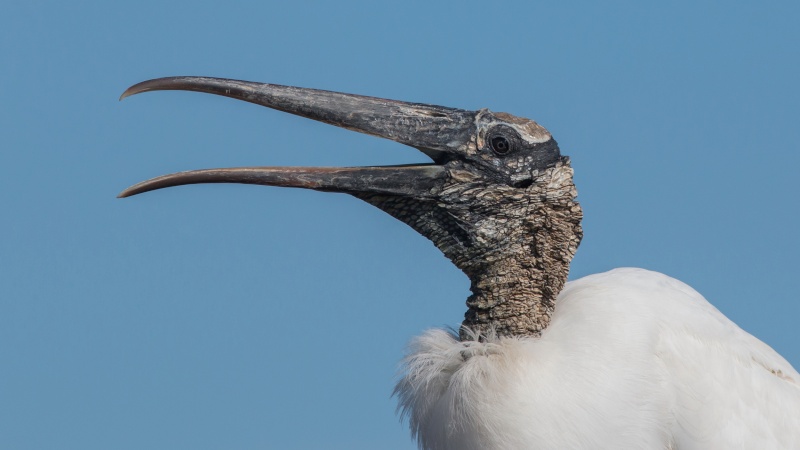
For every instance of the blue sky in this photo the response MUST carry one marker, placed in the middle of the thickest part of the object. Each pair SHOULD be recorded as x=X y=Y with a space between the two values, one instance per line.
x=210 y=317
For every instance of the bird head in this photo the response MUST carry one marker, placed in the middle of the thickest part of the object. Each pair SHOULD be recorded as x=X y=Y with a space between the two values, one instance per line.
x=481 y=201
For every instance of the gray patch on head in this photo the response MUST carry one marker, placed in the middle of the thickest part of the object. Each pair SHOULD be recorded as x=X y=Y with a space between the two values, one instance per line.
x=530 y=131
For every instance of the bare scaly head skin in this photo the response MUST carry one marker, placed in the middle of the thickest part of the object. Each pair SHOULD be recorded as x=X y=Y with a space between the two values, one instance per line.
x=498 y=200
x=509 y=221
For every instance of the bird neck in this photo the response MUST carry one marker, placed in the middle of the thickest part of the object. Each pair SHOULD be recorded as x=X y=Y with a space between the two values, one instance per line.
x=514 y=288
x=514 y=243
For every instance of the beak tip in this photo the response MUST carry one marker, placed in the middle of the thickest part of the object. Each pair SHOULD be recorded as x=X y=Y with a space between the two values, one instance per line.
x=131 y=191
x=149 y=85
x=128 y=92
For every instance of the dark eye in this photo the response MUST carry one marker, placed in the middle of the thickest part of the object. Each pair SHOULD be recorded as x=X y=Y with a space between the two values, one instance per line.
x=502 y=139
x=500 y=145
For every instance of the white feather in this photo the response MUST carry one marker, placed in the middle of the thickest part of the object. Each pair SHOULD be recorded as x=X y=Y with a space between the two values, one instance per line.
x=632 y=359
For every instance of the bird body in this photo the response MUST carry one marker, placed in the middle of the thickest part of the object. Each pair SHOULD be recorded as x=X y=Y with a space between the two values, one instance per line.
x=628 y=359
x=631 y=359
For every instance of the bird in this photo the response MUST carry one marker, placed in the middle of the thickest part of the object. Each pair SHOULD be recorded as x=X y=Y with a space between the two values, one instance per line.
x=626 y=359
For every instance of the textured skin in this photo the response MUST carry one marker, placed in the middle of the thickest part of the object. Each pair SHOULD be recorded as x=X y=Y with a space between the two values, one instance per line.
x=515 y=244
x=631 y=359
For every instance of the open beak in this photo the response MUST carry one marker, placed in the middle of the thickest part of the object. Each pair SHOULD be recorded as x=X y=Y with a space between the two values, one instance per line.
x=437 y=131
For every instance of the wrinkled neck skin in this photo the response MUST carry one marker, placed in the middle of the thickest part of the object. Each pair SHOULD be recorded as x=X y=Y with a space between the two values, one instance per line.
x=514 y=285
x=514 y=243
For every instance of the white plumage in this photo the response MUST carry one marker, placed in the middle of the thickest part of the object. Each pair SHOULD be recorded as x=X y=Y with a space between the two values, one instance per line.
x=632 y=359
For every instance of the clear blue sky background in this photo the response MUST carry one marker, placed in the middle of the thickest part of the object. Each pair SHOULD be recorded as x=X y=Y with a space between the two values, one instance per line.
x=219 y=317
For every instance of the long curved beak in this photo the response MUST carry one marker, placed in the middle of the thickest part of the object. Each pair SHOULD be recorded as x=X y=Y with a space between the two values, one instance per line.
x=418 y=180
x=437 y=131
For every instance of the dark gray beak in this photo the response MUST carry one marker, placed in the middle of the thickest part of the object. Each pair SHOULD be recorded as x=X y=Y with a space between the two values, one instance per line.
x=437 y=131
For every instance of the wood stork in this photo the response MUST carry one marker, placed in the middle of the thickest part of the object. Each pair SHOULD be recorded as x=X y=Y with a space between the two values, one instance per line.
x=628 y=359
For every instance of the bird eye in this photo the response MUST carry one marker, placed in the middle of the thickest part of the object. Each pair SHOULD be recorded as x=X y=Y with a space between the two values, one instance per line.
x=500 y=145
x=502 y=140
